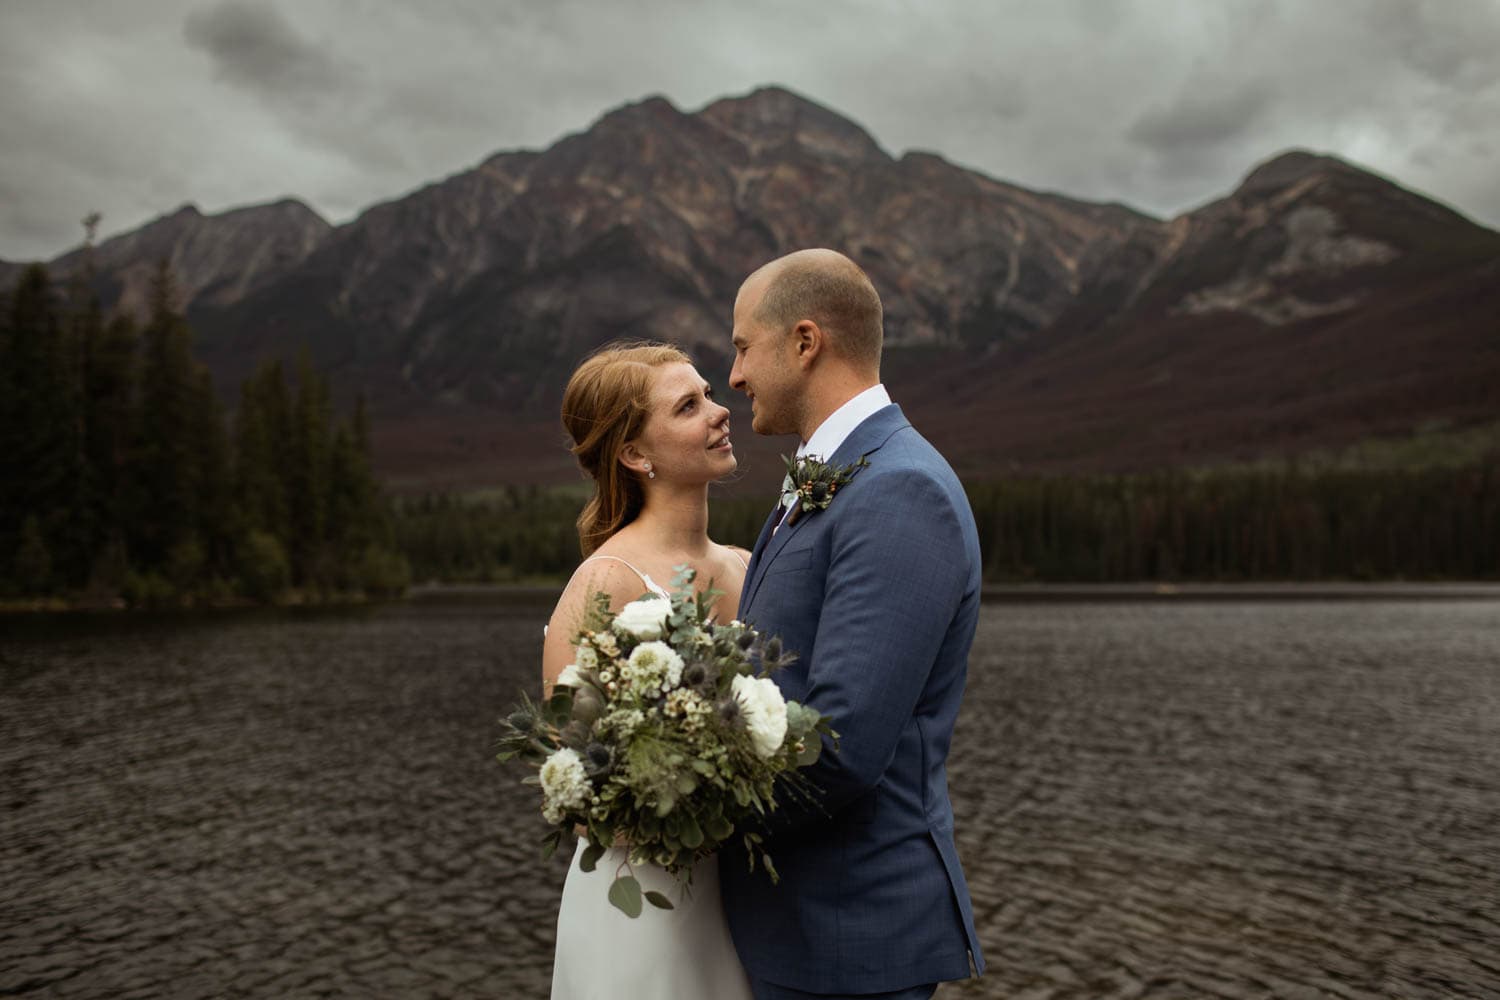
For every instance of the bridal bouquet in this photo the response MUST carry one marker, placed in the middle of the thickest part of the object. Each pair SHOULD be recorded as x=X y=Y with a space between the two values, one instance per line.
x=662 y=736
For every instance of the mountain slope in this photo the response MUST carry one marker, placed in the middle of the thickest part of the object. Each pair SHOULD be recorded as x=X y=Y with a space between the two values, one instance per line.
x=1317 y=303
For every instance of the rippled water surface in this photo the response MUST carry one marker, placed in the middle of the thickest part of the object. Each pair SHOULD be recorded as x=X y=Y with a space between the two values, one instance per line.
x=1155 y=799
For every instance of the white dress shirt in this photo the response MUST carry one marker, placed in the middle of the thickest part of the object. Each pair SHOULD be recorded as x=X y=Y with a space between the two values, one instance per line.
x=833 y=431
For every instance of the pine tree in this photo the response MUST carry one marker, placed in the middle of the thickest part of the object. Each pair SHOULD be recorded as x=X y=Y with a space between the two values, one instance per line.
x=219 y=523
x=39 y=430
x=261 y=433
x=308 y=466
x=166 y=462
x=109 y=412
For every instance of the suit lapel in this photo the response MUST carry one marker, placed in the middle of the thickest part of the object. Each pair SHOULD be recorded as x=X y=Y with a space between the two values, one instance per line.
x=865 y=439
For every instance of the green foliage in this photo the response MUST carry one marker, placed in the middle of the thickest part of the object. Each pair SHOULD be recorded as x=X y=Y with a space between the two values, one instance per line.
x=263 y=570
x=33 y=562
x=166 y=463
x=121 y=475
x=41 y=460
x=688 y=743
x=521 y=533
x=517 y=533
x=1259 y=523
x=383 y=573
x=625 y=894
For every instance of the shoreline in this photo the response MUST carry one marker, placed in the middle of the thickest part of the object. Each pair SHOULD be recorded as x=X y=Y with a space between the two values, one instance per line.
x=1065 y=592
x=992 y=593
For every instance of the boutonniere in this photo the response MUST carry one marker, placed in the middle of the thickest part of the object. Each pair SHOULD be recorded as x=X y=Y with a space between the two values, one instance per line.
x=810 y=484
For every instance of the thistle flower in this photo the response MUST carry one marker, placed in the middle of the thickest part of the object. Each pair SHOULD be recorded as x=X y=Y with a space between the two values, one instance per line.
x=730 y=712
x=598 y=761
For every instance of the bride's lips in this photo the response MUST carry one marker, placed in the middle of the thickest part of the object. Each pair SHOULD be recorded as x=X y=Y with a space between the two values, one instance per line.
x=721 y=445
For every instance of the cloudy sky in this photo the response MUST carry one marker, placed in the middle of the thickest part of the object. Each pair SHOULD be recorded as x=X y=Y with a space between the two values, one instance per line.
x=133 y=108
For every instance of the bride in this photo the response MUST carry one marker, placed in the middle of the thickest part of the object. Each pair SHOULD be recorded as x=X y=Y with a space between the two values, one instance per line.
x=645 y=426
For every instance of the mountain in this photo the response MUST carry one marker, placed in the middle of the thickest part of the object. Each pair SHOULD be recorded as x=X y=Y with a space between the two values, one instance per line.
x=1317 y=303
x=1316 y=306
x=215 y=259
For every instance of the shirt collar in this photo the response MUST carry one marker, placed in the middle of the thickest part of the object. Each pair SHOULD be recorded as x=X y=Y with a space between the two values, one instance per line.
x=833 y=431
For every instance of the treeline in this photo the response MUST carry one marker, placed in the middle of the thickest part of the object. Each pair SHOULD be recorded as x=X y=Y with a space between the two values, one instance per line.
x=123 y=479
x=523 y=533
x=1261 y=524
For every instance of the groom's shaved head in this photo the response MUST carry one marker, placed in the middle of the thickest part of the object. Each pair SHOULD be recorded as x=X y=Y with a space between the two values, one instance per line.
x=831 y=290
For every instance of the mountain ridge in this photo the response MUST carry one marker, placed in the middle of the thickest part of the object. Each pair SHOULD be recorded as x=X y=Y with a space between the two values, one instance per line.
x=465 y=301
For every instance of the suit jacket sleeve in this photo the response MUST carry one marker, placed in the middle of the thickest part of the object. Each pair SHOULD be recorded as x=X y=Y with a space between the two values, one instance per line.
x=897 y=572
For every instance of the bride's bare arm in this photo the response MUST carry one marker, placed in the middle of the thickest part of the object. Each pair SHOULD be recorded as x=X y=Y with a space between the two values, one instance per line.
x=613 y=578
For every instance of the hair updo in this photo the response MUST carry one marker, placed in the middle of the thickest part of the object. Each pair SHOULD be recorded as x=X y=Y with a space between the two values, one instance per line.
x=604 y=408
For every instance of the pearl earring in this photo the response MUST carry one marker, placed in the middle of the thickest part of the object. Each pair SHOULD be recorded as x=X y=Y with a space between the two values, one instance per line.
x=649 y=473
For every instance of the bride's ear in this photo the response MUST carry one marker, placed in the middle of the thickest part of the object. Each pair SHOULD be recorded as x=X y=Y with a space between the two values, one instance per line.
x=632 y=459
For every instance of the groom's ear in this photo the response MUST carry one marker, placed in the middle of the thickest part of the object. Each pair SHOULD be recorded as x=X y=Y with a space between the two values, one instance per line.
x=809 y=340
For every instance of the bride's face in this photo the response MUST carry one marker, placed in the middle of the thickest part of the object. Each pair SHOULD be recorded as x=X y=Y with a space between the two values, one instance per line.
x=686 y=435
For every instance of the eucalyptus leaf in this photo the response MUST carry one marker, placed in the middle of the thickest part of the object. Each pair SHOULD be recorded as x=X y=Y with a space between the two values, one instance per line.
x=625 y=895
x=591 y=856
x=692 y=834
x=659 y=901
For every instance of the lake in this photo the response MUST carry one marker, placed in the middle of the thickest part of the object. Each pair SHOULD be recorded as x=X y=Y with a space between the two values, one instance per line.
x=1232 y=797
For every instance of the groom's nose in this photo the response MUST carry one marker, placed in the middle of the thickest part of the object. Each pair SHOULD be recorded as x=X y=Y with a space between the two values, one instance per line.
x=736 y=377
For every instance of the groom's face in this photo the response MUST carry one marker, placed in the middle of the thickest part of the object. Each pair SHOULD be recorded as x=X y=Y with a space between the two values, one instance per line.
x=763 y=366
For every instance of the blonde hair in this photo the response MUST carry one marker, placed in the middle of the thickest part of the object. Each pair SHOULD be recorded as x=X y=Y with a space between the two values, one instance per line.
x=604 y=408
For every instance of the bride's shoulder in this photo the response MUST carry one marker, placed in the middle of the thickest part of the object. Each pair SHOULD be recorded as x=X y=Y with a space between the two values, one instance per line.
x=604 y=572
x=735 y=555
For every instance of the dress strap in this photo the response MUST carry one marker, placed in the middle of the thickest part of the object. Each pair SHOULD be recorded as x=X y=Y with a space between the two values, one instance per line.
x=651 y=584
x=736 y=553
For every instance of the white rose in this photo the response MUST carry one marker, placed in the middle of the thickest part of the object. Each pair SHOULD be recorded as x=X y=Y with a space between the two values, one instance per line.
x=765 y=712
x=586 y=658
x=570 y=677
x=565 y=784
x=644 y=619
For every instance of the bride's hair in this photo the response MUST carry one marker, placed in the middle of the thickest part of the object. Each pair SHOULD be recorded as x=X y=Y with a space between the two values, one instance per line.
x=604 y=408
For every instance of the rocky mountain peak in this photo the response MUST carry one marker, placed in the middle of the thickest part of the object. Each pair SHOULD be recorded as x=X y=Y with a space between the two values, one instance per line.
x=773 y=116
x=1288 y=169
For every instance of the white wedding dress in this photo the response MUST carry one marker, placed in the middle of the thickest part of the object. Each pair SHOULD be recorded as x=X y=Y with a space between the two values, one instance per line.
x=684 y=953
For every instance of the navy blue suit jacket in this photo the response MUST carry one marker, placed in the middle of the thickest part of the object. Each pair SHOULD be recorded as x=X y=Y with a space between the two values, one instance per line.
x=879 y=596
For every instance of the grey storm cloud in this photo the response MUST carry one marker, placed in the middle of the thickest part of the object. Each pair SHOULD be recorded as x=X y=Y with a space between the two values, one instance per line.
x=1159 y=104
x=1197 y=120
x=254 y=47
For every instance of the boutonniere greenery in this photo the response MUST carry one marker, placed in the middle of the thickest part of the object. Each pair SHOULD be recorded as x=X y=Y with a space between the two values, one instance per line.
x=810 y=484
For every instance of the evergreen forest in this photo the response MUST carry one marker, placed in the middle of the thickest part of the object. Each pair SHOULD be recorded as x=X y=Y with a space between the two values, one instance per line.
x=124 y=481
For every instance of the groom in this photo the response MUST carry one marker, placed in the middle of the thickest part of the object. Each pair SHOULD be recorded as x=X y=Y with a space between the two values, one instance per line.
x=878 y=594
